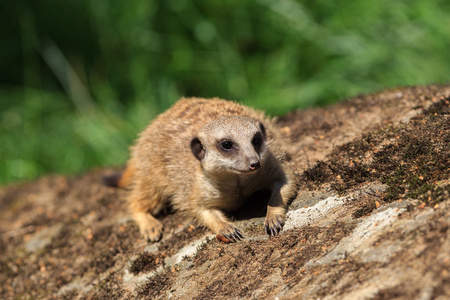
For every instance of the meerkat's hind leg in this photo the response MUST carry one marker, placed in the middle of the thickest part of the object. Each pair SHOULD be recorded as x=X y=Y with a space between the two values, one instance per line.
x=144 y=206
x=150 y=228
x=216 y=221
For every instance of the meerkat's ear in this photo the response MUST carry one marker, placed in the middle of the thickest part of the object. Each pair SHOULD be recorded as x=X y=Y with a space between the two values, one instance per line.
x=197 y=149
x=262 y=128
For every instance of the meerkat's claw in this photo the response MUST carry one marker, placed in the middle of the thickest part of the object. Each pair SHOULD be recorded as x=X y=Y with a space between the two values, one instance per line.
x=152 y=235
x=274 y=226
x=239 y=234
x=228 y=238
x=232 y=235
x=236 y=235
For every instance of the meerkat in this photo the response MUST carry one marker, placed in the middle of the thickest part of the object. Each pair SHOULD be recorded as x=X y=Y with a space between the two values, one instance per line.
x=205 y=157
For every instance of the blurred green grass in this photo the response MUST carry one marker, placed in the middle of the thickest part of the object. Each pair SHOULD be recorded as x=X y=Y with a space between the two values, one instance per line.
x=79 y=79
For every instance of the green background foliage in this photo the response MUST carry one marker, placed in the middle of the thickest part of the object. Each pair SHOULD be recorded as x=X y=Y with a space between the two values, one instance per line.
x=79 y=79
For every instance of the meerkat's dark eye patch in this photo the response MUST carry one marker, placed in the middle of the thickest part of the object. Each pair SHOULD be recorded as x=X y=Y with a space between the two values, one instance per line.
x=257 y=140
x=263 y=129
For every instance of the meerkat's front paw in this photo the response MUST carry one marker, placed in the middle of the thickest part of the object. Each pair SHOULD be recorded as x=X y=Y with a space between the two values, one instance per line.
x=150 y=228
x=274 y=223
x=229 y=234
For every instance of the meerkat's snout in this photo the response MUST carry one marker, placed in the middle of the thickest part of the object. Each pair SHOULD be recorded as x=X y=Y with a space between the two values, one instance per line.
x=252 y=159
x=254 y=165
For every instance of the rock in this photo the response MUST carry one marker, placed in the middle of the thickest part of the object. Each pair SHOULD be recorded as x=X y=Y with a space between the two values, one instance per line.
x=371 y=220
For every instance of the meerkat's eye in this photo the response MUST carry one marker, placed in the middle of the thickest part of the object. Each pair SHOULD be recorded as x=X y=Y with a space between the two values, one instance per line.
x=257 y=140
x=226 y=145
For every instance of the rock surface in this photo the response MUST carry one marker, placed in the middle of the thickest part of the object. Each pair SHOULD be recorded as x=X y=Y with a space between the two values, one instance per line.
x=371 y=220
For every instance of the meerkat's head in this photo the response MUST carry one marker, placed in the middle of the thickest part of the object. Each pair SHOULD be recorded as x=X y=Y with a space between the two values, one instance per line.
x=232 y=144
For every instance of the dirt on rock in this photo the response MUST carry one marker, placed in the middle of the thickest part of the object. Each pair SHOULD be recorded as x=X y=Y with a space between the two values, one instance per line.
x=371 y=220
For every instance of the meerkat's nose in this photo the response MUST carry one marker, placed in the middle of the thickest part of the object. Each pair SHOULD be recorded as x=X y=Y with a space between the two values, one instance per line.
x=254 y=165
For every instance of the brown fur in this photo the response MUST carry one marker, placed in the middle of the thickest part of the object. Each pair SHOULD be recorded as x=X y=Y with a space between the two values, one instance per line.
x=178 y=160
